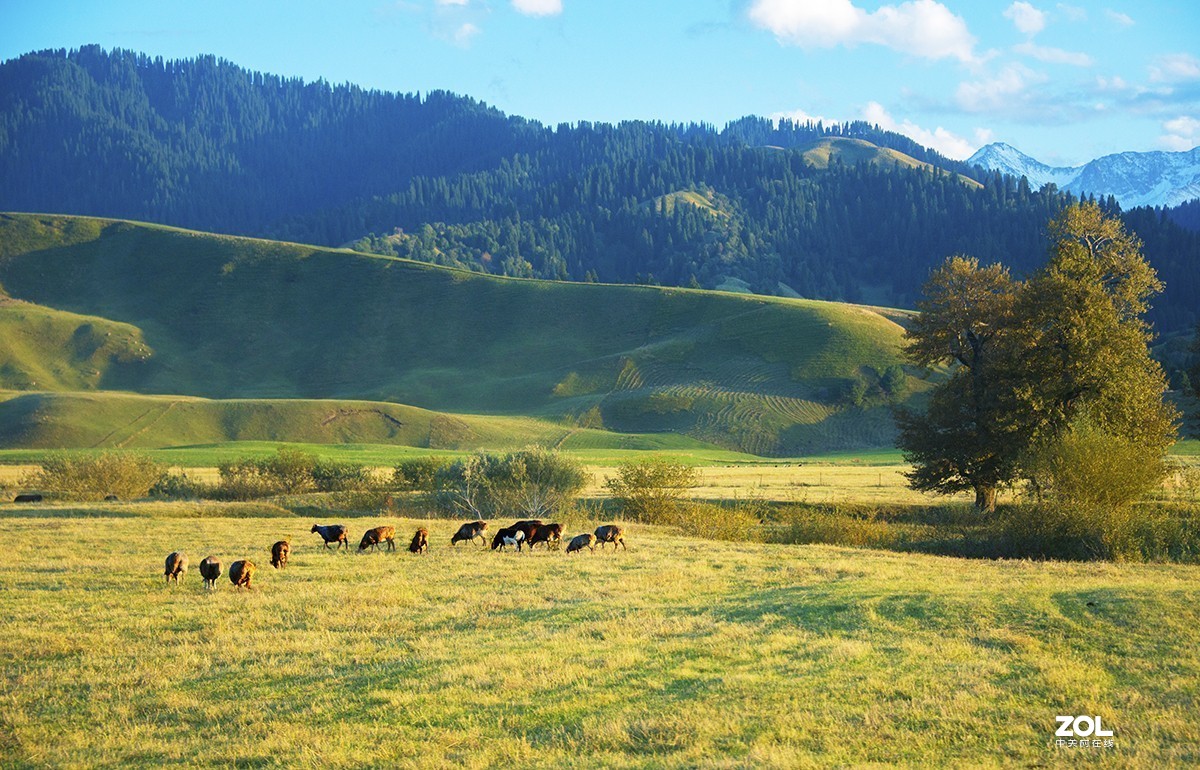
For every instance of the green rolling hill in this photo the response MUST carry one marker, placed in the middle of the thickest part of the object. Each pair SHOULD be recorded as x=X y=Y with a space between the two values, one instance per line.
x=249 y=325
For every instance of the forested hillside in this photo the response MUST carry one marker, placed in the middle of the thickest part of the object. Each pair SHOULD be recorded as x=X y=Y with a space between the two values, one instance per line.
x=777 y=207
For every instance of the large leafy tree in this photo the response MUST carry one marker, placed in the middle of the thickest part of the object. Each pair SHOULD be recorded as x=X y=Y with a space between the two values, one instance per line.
x=965 y=439
x=1029 y=360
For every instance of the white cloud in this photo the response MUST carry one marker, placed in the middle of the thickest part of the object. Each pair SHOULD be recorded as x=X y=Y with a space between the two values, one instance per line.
x=947 y=143
x=1001 y=94
x=538 y=7
x=465 y=33
x=1026 y=18
x=1072 y=12
x=453 y=2
x=799 y=116
x=1053 y=55
x=1174 y=67
x=1182 y=133
x=922 y=28
x=1120 y=18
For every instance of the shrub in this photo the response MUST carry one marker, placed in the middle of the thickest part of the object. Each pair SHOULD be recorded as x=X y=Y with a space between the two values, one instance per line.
x=177 y=486
x=649 y=490
x=738 y=521
x=534 y=483
x=330 y=476
x=126 y=475
x=419 y=473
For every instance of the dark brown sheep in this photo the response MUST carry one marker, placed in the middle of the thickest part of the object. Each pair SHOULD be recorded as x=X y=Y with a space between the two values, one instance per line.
x=420 y=541
x=611 y=533
x=210 y=570
x=28 y=497
x=470 y=531
x=332 y=533
x=176 y=566
x=279 y=554
x=579 y=542
x=241 y=573
x=550 y=534
x=373 y=537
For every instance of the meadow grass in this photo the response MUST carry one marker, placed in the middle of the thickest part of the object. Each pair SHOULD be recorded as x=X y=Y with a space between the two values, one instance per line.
x=677 y=653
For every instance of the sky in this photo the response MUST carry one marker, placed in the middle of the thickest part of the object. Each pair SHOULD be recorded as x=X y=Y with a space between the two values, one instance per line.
x=1062 y=82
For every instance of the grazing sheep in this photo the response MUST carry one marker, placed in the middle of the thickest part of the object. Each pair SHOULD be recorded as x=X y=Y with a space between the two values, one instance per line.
x=176 y=567
x=528 y=526
x=550 y=534
x=28 y=497
x=373 y=537
x=279 y=554
x=506 y=536
x=579 y=542
x=470 y=531
x=111 y=498
x=611 y=533
x=241 y=572
x=332 y=533
x=420 y=541
x=210 y=570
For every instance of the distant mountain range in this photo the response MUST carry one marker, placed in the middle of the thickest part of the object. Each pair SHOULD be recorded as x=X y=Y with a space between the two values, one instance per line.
x=1133 y=178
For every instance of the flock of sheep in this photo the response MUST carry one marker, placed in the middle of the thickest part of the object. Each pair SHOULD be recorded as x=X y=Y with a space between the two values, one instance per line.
x=529 y=532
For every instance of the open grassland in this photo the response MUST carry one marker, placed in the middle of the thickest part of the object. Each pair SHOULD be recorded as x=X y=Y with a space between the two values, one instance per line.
x=162 y=311
x=677 y=653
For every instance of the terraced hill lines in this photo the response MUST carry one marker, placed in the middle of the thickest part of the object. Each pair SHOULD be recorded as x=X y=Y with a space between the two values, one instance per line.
x=248 y=323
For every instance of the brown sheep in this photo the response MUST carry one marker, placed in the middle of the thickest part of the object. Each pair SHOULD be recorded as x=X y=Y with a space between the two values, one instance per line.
x=241 y=573
x=579 y=542
x=332 y=533
x=176 y=566
x=373 y=537
x=611 y=533
x=550 y=534
x=420 y=541
x=279 y=554
x=470 y=531
x=210 y=570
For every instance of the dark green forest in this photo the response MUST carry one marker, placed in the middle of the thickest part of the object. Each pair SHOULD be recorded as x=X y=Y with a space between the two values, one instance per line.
x=443 y=178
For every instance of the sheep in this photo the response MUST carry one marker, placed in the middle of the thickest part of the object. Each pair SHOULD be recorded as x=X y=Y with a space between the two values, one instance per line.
x=373 y=537
x=528 y=526
x=28 y=497
x=176 y=566
x=470 y=531
x=548 y=534
x=332 y=533
x=241 y=572
x=611 y=533
x=210 y=570
x=279 y=554
x=579 y=542
x=420 y=541
x=506 y=536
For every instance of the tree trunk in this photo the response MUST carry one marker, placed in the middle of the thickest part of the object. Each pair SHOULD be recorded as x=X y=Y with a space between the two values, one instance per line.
x=985 y=498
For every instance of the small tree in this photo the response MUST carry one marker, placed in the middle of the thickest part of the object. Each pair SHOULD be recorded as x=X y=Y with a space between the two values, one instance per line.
x=649 y=490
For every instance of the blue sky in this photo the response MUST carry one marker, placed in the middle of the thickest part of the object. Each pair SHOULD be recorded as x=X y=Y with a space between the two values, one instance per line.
x=1064 y=82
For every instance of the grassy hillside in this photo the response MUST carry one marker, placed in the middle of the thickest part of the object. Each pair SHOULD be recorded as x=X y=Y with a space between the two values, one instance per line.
x=677 y=653
x=130 y=421
x=850 y=152
x=224 y=317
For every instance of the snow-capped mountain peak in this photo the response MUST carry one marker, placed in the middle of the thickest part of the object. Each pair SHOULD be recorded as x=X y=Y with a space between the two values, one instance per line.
x=1134 y=178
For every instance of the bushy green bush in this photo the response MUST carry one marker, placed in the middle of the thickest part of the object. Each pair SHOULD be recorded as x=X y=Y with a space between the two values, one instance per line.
x=529 y=484
x=178 y=486
x=650 y=490
x=126 y=475
x=418 y=473
x=288 y=472
x=330 y=476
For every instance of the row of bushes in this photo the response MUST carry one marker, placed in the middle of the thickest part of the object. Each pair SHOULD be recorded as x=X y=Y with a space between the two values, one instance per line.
x=536 y=483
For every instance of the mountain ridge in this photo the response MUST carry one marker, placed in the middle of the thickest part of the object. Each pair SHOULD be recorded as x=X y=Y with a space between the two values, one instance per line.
x=1155 y=178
